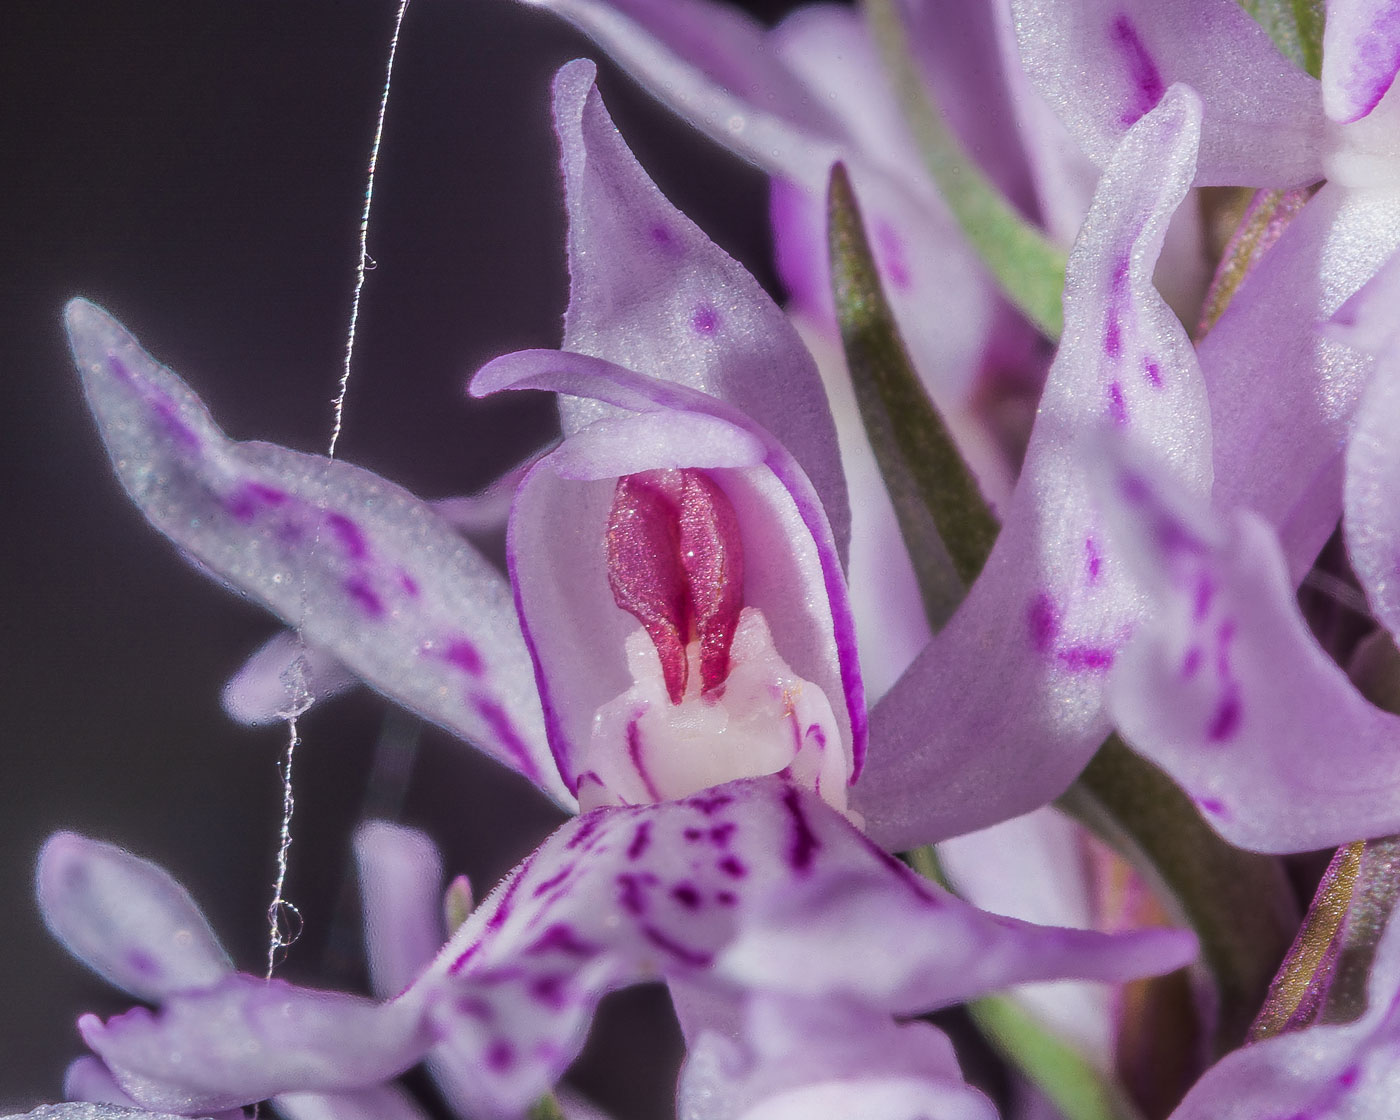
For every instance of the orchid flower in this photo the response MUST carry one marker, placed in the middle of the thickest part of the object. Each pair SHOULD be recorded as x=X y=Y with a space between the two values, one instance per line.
x=682 y=665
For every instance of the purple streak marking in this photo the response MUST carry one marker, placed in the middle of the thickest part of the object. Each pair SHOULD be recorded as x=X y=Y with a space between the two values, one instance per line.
x=634 y=752
x=1117 y=406
x=175 y=428
x=500 y=1055
x=1041 y=623
x=732 y=867
x=561 y=938
x=704 y=320
x=1142 y=70
x=1093 y=560
x=118 y=369
x=804 y=841
x=364 y=596
x=686 y=895
x=1113 y=336
x=1225 y=724
x=588 y=825
x=549 y=990
x=1086 y=659
x=348 y=535
x=694 y=957
x=461 y=654
x=641 y=840
x=500 y=724
x=474 y=1007
x=552 y=882
x=1191 y=663
x=1153 y=371
x=710 y=804
x=1213 y=805
x=632 y=899
x=409 y=584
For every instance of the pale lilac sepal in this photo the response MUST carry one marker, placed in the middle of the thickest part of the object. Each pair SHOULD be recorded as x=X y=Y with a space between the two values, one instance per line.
x=125 y=918
x=1226 y=689
x=1282 y=393
x=400 y=873
x=379 y=1102
x=87 y=1079
x=1103 y=64
x=1360 y=55
x=793 y=572
x=649 y=291
x=367 y=570
x=1331 y=1072
x=280 y=678
x=1005 y=706
x=246 y=1039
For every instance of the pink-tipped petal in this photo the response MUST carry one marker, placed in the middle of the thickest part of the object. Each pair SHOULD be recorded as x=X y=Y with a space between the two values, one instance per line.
x=1005 y=706
x=649 y=291
x=1225 y=688
x=126 y=919
x=401 y=886
x=1103 y=64
x=1360 y=56
x=368 y=571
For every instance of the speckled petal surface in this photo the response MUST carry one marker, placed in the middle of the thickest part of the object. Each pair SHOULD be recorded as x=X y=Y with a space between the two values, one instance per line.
x=370 y=573
x=1102 y=64
x=125 y=918
x=649 y=291
x=1005 y=706
x=1360 y=56
x=1227 y=691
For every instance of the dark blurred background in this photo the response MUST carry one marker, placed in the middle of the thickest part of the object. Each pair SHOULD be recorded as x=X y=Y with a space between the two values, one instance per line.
x=197 y=168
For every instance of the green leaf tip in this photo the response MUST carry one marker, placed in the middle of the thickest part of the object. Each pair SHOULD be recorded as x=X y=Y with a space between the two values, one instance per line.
x=1027 y=266
x=942 y=515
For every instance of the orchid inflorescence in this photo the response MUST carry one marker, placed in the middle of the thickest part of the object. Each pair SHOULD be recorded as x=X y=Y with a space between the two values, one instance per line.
x=869 y=693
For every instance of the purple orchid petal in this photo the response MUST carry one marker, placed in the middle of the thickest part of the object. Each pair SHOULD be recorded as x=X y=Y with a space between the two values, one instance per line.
x=649 y=291
x=87 y=1079
x=379 y=1102
x=1226 y=689
x=1360 y=56
x=1103 y=64
x=1372 y=522
x=691 y=890
x=126 y=918
x=369 y=572
x=792 y=573
x=1005 y=706
x=262 y=690
x=1331 y=1072
x=401 y=885
x=247 y=1039
x=1278 y=452
x=807 y=1058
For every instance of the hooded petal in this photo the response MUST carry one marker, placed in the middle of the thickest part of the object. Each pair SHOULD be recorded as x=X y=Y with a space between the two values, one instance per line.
x=1005 y=706
x=1335 y=1072
x=649 y=291
x=401 y=887
x=262 y=690
x=1226 y=689
x=126 y=918
x=792 y=571
x=1360 y=55
x=1102 y=64
x=246 y=1039
x=366 y=570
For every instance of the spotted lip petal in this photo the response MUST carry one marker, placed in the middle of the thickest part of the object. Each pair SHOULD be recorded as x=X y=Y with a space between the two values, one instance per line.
x=1226 y=689
x=1050 y=610
x=1103 y=64
x=792 y=572
x=649 y=291
x=1360 y=56
x=126 y=918
x=372 y=575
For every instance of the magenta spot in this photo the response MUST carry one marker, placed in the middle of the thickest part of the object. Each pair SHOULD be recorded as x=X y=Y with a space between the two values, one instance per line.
x=500 y=1056
x=561 y=938
x=1191 y=663
x=178 y=431
x=727 y=898
x=506 y=735
x=348 y=535
x=686 y=955
x=474 y=1007
x=549 y=990
x=1117 y=406
x=686 y=895
x=890 y=251
x=1134 y=488
x=503 y=911
x=461 y=962
x=1093 y=561
x=1113 y=336
x=1086 y=659
x=118 y=369
x=632 y=897
x=704 y=320
x=804 y=840
x=1348 y=1078
x=663 y=238
x=364 y=596
x=732 y=867
x=641 y=840
x=1042 y=624
x=1143 y=74
x=240 y=507
x=1213 y=806
x=721 y=834
x=693 y=835
x=1153 y=371
x=587 y=826
x=461 y=654
x=252 y=498
x=1225 y=724
x=709 y=804
x=140 y=961
x=409 y=584
x=553 y=881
